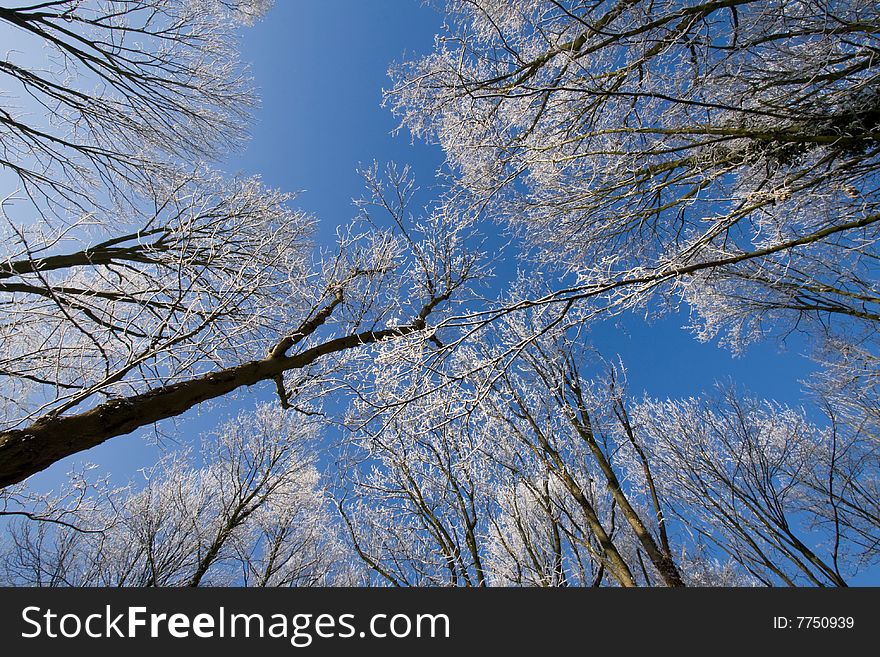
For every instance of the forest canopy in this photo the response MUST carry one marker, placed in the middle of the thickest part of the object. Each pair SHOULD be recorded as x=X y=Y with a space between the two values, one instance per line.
x=439 y=414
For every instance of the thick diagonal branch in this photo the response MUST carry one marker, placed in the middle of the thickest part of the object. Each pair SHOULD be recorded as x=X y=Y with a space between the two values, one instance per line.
x=24 y=452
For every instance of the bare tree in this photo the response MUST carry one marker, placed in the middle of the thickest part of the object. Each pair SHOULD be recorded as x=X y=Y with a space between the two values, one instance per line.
x=415 y=497
x=197 y=281
x=544 y=478
x=539 y=473
x=128 y=88
x=134 y=284
x=545 y=402
x=180 y=321
x=538 y=540
x=456 y=478
x=252 y=513
x=720 y=153
x=790 y=502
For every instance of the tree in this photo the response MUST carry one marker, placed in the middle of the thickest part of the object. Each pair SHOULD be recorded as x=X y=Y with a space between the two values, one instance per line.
x=416 y=496
x=547 y=477
x=720 y=153
x=495 y=475
x=790 y=502
x=134 y=286
x=132 y=89
x=546 y=404
x=538 y=474
x=252 y=513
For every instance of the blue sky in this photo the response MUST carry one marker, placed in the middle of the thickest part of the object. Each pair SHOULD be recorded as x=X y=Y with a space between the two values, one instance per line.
x=320 y=68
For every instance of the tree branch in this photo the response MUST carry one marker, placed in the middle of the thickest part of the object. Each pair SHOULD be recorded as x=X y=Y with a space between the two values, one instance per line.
x=24 y=452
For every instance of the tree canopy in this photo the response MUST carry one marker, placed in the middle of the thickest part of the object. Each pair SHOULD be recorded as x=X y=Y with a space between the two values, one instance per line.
x=717 y=158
